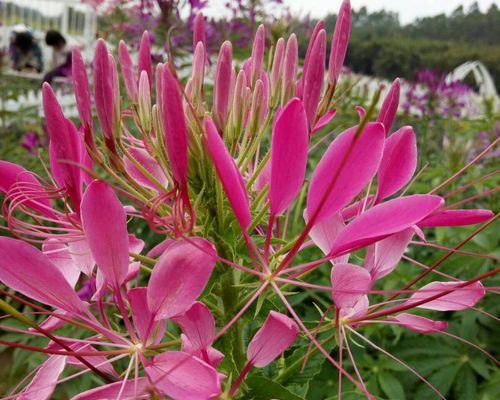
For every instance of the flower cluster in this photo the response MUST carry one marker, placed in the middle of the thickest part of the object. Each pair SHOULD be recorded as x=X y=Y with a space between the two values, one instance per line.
x=220 y=176
x=432 y=96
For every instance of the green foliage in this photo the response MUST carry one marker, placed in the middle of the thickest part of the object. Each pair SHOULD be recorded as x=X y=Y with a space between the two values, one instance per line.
x=381 y=46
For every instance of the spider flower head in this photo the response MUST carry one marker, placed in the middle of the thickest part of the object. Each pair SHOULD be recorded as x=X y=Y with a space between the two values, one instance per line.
x=222 y=177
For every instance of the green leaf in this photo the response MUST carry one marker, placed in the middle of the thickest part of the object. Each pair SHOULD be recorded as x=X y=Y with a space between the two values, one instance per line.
x=465 y=387
x=442 y=380
x=391 y=386
x=480 y=365
x=261 y=388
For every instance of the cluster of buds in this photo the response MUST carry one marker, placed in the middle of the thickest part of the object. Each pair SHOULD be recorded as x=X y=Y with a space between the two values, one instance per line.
x=222 y=180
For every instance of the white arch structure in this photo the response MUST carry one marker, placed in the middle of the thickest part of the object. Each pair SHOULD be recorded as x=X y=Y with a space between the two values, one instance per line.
x=482 y=76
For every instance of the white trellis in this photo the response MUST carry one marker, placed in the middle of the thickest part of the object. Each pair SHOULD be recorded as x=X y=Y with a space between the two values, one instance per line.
x=483 y=79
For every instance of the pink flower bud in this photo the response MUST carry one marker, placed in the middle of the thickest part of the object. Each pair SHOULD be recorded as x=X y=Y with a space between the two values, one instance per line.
x=144 y=102
x=290 y=69
x=239 y=98
x=307 y=59
x=103 y=92
x=339 y=42
x=115 y=83
x=82 y=89
x=277 y=68
x=174 y=125
x=390 y=106
x=257 y=57
x=145 y=56
x=199 y=30
x=198 y=73
x=313 y=79
x=276 y=334
x=222 y=84
x=127 y=71
x=257 y=104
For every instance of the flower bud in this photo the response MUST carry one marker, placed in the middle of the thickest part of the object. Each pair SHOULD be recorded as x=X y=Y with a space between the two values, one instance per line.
x=257 y=57
x=145 y=57
x=127 y=71
x=222 y=84
x=277 y=68
x=290 y=70
x=144 y=102
x=199 y=30
x=339 y=42
x=313 y=79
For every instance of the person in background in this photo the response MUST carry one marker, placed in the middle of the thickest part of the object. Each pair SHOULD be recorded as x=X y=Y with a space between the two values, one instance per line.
x=61 y=56
x=25 y=53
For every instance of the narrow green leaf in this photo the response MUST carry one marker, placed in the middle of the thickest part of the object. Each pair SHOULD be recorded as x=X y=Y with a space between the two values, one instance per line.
x=391 y=386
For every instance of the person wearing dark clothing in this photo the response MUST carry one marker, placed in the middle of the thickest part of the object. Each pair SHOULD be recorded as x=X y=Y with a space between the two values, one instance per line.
x=25 y=52
x=61 y=56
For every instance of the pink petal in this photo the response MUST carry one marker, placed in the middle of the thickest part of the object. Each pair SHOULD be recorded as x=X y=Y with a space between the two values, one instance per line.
x=160 y=248
x=27 y=270
x=222 y=83
x=81 y=255
x=128 y=73
x=419 y=324
x=383 y=220
x=359 y=308
x=340 y=40
x=289 y=147
x=103 y=91
x=65 y=147
x=323 y=121
x=383 y=257
x=349 y=163
x=111 y=391
x=360 y=111
x=82 y=89
x=324 y=234
x=181 y=376
x=263 y=178
x=174 y=124
x=390 y=106
x=459 y=298
x=100 y=362
x=349 y=284
x=179 y=277
x=143 y=318
x=105 y=227
x=145 y=57
x=11 y=173
x=45 y=380
x=149 y=164
x=398 y=162
x=313 y=78
x=355 y=208
x=276 y=334
x=456 y=218
x=58 y=253
x=210 y=355
x=198 y=325
x=228 y=173
x=52 y=322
